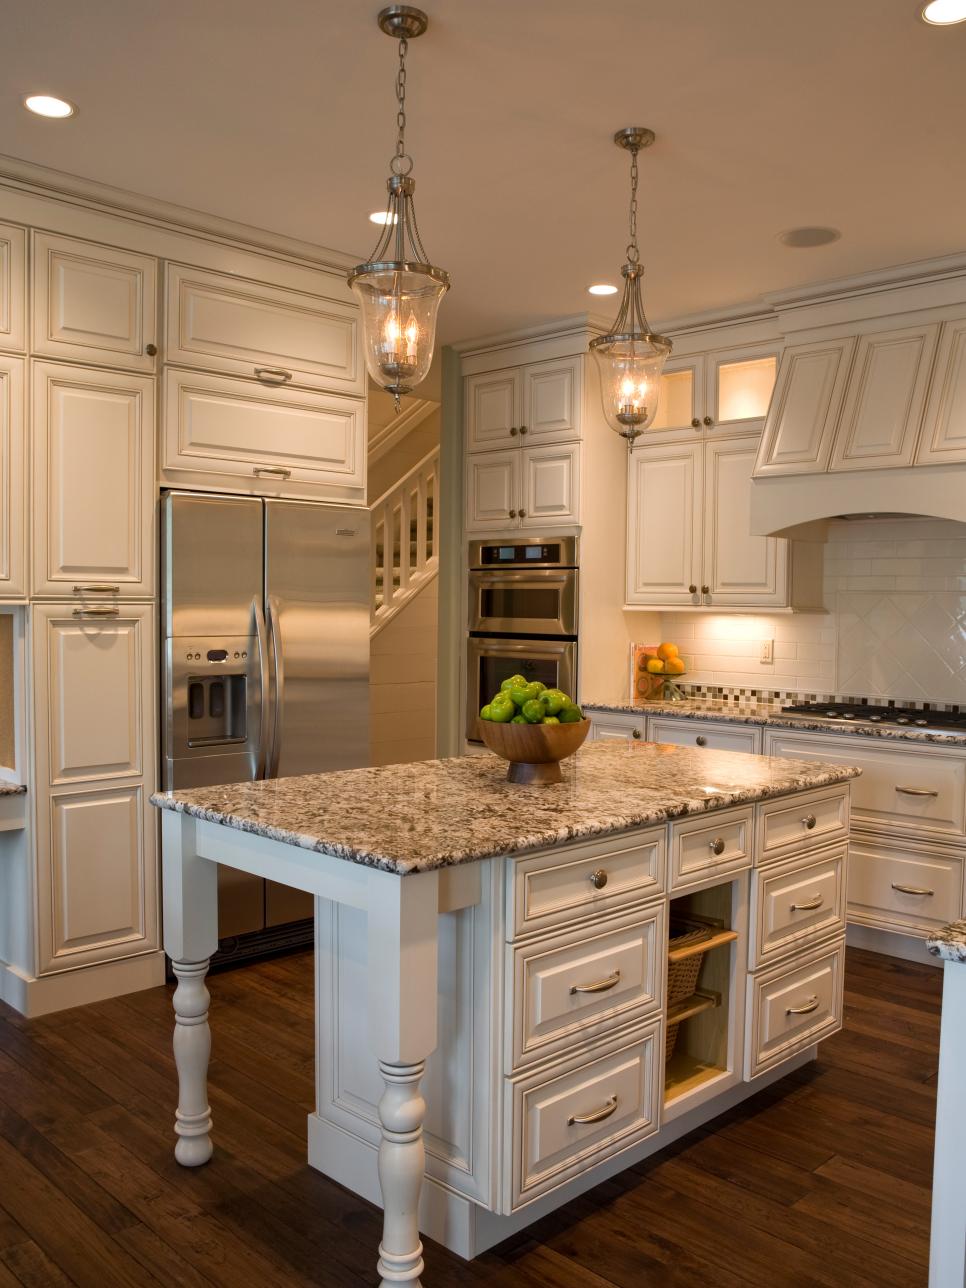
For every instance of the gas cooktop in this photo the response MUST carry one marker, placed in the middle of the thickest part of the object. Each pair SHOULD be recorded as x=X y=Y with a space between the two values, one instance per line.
x=861 y=713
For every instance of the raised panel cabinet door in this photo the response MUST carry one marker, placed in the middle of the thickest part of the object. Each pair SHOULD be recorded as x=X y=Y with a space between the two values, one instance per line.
x=220 y=431
x=664 y=517
x=93 y=480
x=493 y=409
x=97 y=873
x=882 y=413
x=551 y=401
x=493 y=490
x=94 y=674
x=944 y=427
x=681 y=397
x=13 y=287
x=93 y=303
x=804 y=408
x=13 y=480
x=551 y=486
x=739 y=568
x=269 y=333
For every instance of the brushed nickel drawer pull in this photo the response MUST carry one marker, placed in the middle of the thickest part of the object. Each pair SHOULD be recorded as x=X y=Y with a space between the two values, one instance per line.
x=597 y=1116
x=599 y=985
x=598 y=878
x=276 y=470
x=97 y=590
x=273 y=375
x=810 y=905
x=916 y=791
x=809 y=821
x=635 y=733
x=701 y=740
x=810 y=1006
x=716 y=846
x=96 y=612
x=904 y=889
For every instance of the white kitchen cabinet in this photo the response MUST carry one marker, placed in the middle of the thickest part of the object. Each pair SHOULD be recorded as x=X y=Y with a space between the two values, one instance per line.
x=494 y=403
x=738 y=568
x=93 y=304
x=805 y=408
x=665 y=493
x=537 y=403
x=281 y=337
x=725 y=390
x=681 y=400
x=721 y=736
x=13 y=287
x=945 y=437
x=13 y=480
x=237 y=435
x=492 y=490
x=612 y=726
x=93 y=481
x=537 y=487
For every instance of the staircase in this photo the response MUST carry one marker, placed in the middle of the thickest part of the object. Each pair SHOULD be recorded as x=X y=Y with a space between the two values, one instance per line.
x=404 y=553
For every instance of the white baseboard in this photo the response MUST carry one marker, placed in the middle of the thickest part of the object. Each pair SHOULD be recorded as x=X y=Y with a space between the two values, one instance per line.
x=909 y=948
x=42 y=994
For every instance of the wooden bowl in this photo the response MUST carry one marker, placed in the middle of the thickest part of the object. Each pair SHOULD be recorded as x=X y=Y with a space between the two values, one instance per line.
x=534 y=750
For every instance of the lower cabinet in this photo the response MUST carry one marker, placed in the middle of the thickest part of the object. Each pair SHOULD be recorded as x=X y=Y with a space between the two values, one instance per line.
x=895 y=886
x=701 y=733
x=792 y=1006
x=609 y=726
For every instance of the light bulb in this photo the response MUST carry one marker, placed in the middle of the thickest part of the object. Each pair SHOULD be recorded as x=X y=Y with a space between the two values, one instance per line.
x=412 y=336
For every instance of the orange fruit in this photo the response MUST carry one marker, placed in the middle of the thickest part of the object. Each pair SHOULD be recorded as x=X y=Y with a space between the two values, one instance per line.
x=667 y=650
x=674 y=666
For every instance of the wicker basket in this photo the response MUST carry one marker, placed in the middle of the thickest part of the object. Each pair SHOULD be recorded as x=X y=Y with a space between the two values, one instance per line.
x=682 y=976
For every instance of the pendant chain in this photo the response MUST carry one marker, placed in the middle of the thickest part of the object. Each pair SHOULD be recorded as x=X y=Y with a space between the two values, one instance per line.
x=633 y=254
x=402 y=162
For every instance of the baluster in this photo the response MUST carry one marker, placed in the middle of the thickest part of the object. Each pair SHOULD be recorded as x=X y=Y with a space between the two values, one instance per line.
x=405 y=538
x=421 y=524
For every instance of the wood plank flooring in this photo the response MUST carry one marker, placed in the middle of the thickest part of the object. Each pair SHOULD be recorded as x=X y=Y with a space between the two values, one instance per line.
x=821 y=1179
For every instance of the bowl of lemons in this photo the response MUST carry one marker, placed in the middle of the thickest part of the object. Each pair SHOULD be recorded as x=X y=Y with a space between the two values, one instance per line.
x=533 y=728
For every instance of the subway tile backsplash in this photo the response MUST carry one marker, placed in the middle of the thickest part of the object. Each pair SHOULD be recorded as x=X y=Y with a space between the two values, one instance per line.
x=895 y=591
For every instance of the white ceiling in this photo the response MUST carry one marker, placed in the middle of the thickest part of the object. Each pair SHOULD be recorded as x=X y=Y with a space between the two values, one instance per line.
x=769 y=114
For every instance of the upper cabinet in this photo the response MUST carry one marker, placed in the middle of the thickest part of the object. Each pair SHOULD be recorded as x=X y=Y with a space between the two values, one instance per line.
x=13 y=572
x=13 y=287
x=538 y=403
x=944 y=435
x=534 y=488
x=724 y=391
x=805 y=408
x=93 y=304
x=270 y=334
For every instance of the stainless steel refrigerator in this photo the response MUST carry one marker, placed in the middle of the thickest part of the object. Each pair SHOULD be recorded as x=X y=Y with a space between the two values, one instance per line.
x=265 y=661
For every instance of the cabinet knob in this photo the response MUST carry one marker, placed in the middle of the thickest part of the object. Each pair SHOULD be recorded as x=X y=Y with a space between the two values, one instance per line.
x=717 y=845
x=523 y=429
x=809 y=821
x=708 y=420
x=692 y=589
x=150 y=350
x=523 y=514
x=513 y=431
x=701 y=740
x=598 y=878
x=513 y=514
x=705 y=590
x=635 y=733
x=695 y=424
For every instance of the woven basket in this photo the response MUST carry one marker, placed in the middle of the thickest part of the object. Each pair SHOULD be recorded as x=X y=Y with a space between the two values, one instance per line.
x=682 y=977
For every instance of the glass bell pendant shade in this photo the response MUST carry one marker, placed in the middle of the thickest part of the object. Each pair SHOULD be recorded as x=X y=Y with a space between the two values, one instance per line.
x=399 y=309
x=630 y=359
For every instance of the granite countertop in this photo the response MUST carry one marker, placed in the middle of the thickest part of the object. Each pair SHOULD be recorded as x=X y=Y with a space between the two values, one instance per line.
x=765 y=713
x=949 y=943
x=436 y=813
x=12 y=789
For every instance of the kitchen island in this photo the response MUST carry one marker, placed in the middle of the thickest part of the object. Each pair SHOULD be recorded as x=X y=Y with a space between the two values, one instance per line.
x=582 y=972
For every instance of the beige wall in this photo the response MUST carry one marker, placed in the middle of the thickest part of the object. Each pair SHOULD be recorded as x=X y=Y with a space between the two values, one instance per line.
x=7 y=680
x=389 y=469
x=402 y=684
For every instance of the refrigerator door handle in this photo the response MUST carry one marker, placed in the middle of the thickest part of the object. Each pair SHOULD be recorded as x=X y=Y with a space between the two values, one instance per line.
x=261 y=765
x=276 y=643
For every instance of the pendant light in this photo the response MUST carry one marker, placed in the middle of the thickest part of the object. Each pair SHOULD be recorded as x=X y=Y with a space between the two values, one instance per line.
x=399 y=290
x=630 y=356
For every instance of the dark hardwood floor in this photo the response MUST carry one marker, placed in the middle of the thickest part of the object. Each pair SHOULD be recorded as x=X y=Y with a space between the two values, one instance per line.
x=821 y=1179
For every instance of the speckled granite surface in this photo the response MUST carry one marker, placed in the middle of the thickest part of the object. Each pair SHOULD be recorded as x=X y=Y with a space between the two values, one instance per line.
x=411 y=818
x=763 y=713
x=12 y=789
x=949 y=943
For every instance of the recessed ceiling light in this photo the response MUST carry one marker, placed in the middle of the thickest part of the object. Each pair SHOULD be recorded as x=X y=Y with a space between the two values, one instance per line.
x=602 y=288
x=382 y=217
x=943 y=13
x=808 y=237
x=48 y=105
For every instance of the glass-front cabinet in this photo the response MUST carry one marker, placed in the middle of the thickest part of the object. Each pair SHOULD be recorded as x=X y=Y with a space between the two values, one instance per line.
x=724 y=391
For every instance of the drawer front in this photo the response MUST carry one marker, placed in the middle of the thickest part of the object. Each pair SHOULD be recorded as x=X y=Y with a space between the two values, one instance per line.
x=797 y=903
x=919 y=790
x=267 y=333
x=899 y=888
x=613 y=1088
x=709 y=845
x=569 y=988
x=545 y=892
x=790 y=1007
x=697 y=733
x=820 y=818
x=610 y=727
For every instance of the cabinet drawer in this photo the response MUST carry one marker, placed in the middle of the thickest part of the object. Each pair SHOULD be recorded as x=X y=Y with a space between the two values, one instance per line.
x=613 y=1088
x=697 y=733
x=796 y=903
x=790 y=1007
x=568 y=988
x=820 y=818
x=279 y=336
x=898 y=888
x=706 y=846
x=576 y=882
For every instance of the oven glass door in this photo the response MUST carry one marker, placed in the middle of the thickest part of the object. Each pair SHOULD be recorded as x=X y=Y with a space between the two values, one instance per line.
x=491 y=661
x=543 y=603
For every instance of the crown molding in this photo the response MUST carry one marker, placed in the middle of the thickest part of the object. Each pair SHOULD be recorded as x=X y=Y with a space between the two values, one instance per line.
x=923 y=272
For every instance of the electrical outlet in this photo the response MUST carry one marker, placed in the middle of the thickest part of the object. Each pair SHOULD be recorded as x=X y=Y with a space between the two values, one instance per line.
x=767 y=651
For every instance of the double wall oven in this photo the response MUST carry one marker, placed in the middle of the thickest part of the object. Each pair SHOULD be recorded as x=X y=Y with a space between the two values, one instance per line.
x=522 y=617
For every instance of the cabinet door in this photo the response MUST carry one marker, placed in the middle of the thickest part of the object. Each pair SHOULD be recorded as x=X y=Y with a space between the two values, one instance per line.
x=493 y=490
x=681 y=403
x=94 y=678
x=805 y=407
x=944 y=438
x=551 y=401
x=13 y=273
x=664 y=524
x=93 y=480
x=221 y=432
x=493 y=409
x=93 y=303
x=739 y=569
x=740 y=386
x=551 y=484
x=882 y=414
x=13 y=480
x=275 y=335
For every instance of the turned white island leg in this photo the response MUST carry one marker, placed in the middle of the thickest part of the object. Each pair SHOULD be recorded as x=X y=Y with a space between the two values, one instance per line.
x=403 y=929
x=190 y=937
